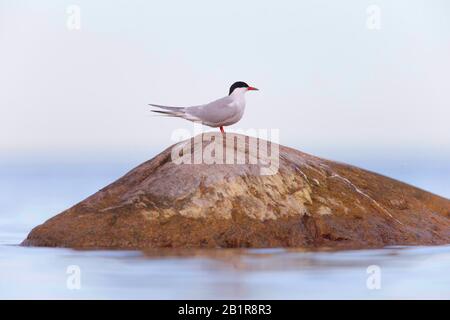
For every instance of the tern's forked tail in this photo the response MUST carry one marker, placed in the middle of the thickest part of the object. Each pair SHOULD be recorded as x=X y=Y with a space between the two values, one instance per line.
x=179 y=112
x=169 y=111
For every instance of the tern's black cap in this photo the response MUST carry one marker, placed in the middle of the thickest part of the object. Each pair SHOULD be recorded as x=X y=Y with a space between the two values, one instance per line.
x=238 y=84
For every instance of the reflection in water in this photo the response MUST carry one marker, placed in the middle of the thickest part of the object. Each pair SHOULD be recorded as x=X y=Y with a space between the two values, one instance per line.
x=413 y=272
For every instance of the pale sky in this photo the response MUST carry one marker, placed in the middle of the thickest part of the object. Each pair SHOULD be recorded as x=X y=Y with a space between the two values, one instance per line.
x=326 y=80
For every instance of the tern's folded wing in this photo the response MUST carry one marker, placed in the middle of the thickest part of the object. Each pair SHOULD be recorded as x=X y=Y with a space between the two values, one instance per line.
x=215 y=112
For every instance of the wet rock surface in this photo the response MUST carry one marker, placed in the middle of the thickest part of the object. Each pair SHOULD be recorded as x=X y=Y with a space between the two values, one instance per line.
x=308 y=202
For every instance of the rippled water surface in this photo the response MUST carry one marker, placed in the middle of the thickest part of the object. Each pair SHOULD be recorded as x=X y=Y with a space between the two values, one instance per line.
x=29 y=197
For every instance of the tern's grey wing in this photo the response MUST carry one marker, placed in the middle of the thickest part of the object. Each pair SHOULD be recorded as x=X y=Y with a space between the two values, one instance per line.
x=213 y=113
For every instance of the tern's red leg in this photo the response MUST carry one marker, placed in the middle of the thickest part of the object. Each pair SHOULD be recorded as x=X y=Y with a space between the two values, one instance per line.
x=221 y=130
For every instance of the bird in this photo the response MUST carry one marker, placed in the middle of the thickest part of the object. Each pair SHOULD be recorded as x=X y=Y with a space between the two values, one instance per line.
x=216 y=114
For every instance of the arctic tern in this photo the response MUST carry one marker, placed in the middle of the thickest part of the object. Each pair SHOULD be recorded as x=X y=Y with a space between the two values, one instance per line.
x=217 y=114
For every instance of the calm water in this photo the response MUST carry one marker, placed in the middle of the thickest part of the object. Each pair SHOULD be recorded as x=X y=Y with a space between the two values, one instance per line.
x=31 y=194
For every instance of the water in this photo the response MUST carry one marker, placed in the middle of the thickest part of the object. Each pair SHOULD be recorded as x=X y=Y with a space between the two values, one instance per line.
x=31 y=194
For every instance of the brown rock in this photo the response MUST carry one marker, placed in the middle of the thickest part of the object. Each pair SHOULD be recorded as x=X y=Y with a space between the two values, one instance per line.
x=310 y=203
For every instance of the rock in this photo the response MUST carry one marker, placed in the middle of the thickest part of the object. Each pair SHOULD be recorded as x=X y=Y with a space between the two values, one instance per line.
x=308 y=202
